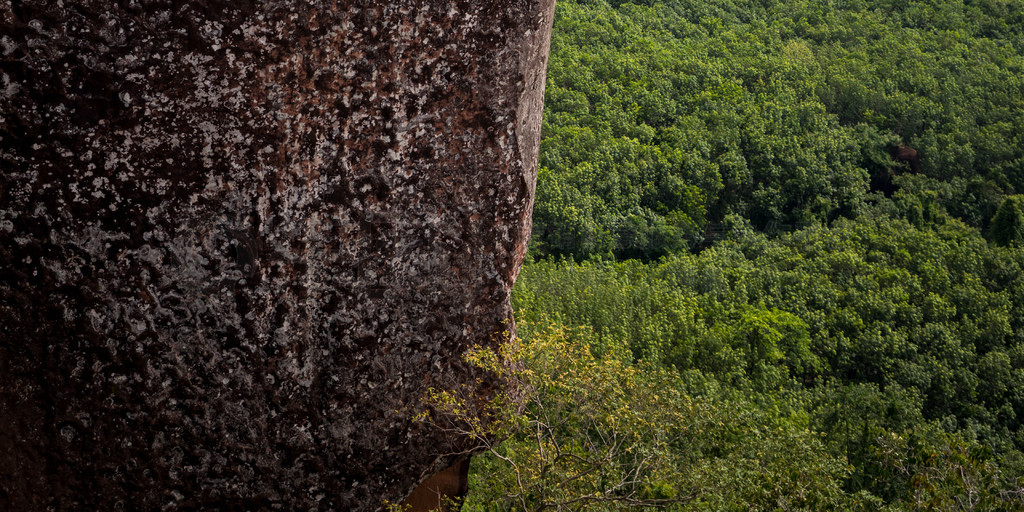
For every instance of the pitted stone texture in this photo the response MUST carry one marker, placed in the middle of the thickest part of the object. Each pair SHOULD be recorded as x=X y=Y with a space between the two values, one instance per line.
x=239 y=240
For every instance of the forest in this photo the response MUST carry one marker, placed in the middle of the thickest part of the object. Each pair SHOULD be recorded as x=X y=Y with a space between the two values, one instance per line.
x=777 y=263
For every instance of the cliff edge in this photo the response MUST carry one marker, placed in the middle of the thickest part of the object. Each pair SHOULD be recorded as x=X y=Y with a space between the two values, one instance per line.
x=239 y=240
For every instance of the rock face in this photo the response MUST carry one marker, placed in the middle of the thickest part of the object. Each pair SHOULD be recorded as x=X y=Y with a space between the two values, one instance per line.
x=239 y=240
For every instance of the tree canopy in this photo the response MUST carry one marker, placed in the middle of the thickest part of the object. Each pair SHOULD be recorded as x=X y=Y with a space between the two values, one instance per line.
x=662 y=118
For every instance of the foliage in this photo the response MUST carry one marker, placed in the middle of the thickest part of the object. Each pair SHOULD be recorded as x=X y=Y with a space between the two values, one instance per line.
x=662 y=118
x=938 y=471
x=599 y=434
x=871 y=327
x=618 y=302
x=1008 y=224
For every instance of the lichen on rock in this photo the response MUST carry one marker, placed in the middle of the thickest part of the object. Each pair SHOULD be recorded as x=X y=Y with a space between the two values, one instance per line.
x=239 y=240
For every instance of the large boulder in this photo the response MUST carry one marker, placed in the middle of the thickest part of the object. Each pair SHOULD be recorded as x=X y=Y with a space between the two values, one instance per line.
x=240 y=240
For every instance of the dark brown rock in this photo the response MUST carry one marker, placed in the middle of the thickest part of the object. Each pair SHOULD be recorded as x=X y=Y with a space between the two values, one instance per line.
x=442 y=492
x=239 y=240
x=904 y=153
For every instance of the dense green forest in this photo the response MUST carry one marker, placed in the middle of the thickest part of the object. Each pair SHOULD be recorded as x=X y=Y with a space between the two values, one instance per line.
x=662 y=120
x=777 y=262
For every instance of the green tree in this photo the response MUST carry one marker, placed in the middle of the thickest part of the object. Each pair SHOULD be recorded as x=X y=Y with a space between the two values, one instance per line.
x=1008 y=224
x=596 y=434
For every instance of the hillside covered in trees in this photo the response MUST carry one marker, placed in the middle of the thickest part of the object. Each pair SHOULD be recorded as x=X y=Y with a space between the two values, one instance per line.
x=777 y=262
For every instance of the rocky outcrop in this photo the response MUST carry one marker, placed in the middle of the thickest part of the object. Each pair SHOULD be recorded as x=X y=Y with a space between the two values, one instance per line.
x=442 y=492
x=239 y=240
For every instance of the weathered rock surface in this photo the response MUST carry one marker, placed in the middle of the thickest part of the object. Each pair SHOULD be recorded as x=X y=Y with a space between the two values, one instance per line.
x=239 y=240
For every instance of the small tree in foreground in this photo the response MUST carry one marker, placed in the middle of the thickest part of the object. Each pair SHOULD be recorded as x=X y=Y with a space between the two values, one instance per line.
x=599 y=434
x=586 y=434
